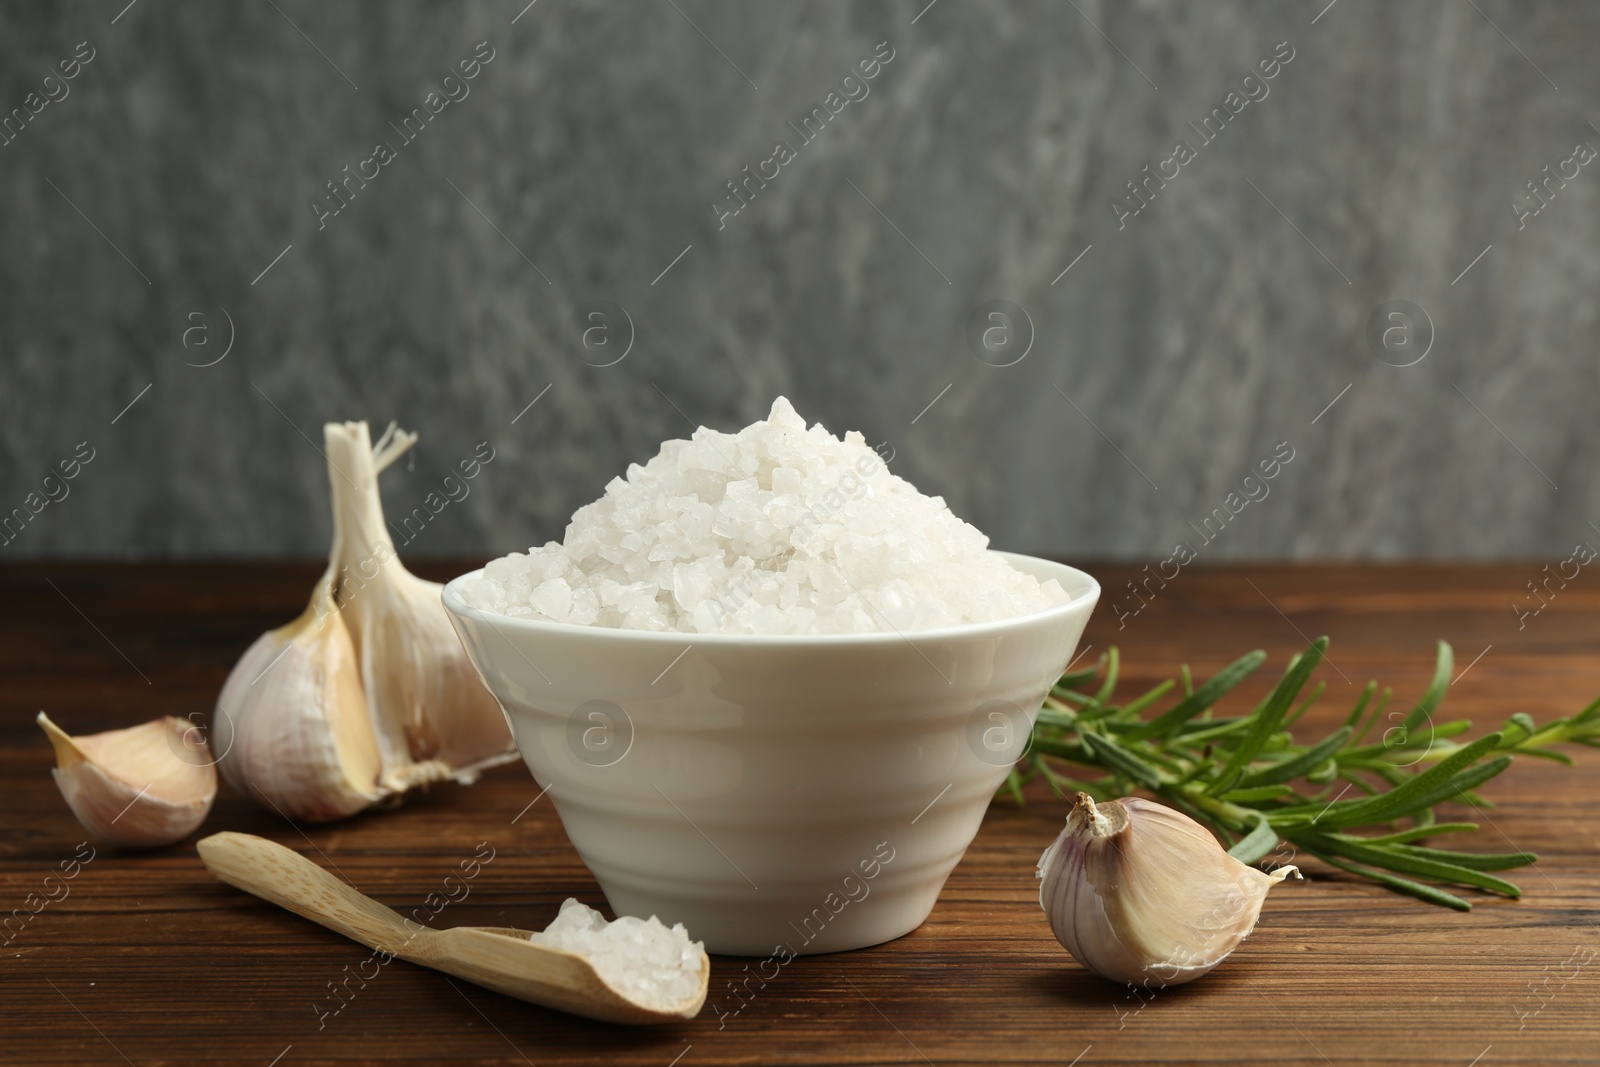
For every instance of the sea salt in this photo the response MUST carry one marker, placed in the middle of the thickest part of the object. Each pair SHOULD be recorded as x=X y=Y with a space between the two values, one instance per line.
x=774 y=529
x=640 y=958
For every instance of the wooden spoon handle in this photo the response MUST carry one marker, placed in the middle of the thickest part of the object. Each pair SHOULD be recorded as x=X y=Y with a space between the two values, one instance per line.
x=291 y=881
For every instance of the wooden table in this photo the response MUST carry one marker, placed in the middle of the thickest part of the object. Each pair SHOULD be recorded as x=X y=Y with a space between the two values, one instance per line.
x=150 y=960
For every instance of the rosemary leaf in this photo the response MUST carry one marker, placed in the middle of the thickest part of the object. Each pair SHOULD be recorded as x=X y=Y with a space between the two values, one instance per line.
x=1403 y=799
x=1305 y=705
x=1396 y=858
x=1479 y=861
x=1257 y=843
x=1423 y=712
x=1113 y=659
x=1361 y=705
x=1417 y=832
x=1260 y=792
x=1546 y=753
x=1119 y=759
x=1270 y=715
x=1303 y=763
x=1404 y=885
x=1200 y=699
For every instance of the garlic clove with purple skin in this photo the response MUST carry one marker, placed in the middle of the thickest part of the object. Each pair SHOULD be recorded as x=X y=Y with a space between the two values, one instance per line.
x=1140 y=893
x=142 y=787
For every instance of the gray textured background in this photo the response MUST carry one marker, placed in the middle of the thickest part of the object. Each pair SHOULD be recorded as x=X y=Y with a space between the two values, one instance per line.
x=1222 y=320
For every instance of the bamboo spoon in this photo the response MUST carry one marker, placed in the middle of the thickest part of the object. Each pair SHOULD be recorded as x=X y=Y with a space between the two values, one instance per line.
x=498 y=958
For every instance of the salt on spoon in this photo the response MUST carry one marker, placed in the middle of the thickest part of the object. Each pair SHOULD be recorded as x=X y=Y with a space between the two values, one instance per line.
x=640 y=958
x=630 y=971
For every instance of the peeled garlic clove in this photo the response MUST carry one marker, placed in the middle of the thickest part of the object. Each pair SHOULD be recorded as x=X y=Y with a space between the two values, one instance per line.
x=292 y=723
x=433 y=716
x=1140 y=893
x=142 y=787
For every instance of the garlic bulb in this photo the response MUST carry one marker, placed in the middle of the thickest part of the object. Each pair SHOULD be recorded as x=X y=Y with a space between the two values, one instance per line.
x=142 y=787
x=1140 y=893
x=369 y=693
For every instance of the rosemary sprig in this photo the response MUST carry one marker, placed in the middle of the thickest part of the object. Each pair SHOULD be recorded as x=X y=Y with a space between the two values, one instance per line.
x=1247 y=778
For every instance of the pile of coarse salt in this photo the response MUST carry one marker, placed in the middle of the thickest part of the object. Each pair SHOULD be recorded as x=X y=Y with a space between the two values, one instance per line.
x=639 y=958
x=776 y=529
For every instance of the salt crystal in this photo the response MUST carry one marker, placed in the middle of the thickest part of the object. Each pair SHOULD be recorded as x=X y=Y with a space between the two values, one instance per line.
x=552 y=599
x=774 y=529
x=640 y=958
x=501 y=570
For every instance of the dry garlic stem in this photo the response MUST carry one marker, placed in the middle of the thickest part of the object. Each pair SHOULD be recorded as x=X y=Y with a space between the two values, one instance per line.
x=1140 y=893
x=369 y=692
x=142 y=787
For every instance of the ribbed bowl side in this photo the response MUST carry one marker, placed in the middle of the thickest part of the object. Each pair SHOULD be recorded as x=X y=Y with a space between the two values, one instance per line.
x=812 y=794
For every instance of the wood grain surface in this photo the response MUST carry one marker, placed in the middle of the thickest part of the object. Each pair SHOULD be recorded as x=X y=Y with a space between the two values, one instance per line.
x=146 y=959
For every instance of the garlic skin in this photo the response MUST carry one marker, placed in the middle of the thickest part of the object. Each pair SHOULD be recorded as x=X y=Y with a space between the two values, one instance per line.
x=1143 y=894
x=292 y=722
x=433 y=716
x=132 y=787
x=417 y=677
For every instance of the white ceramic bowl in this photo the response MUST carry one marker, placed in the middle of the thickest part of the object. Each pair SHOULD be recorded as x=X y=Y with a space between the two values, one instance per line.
x=800 y=793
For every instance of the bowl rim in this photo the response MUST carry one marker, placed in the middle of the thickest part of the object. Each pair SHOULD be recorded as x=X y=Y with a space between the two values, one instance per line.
x=1084 y=600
